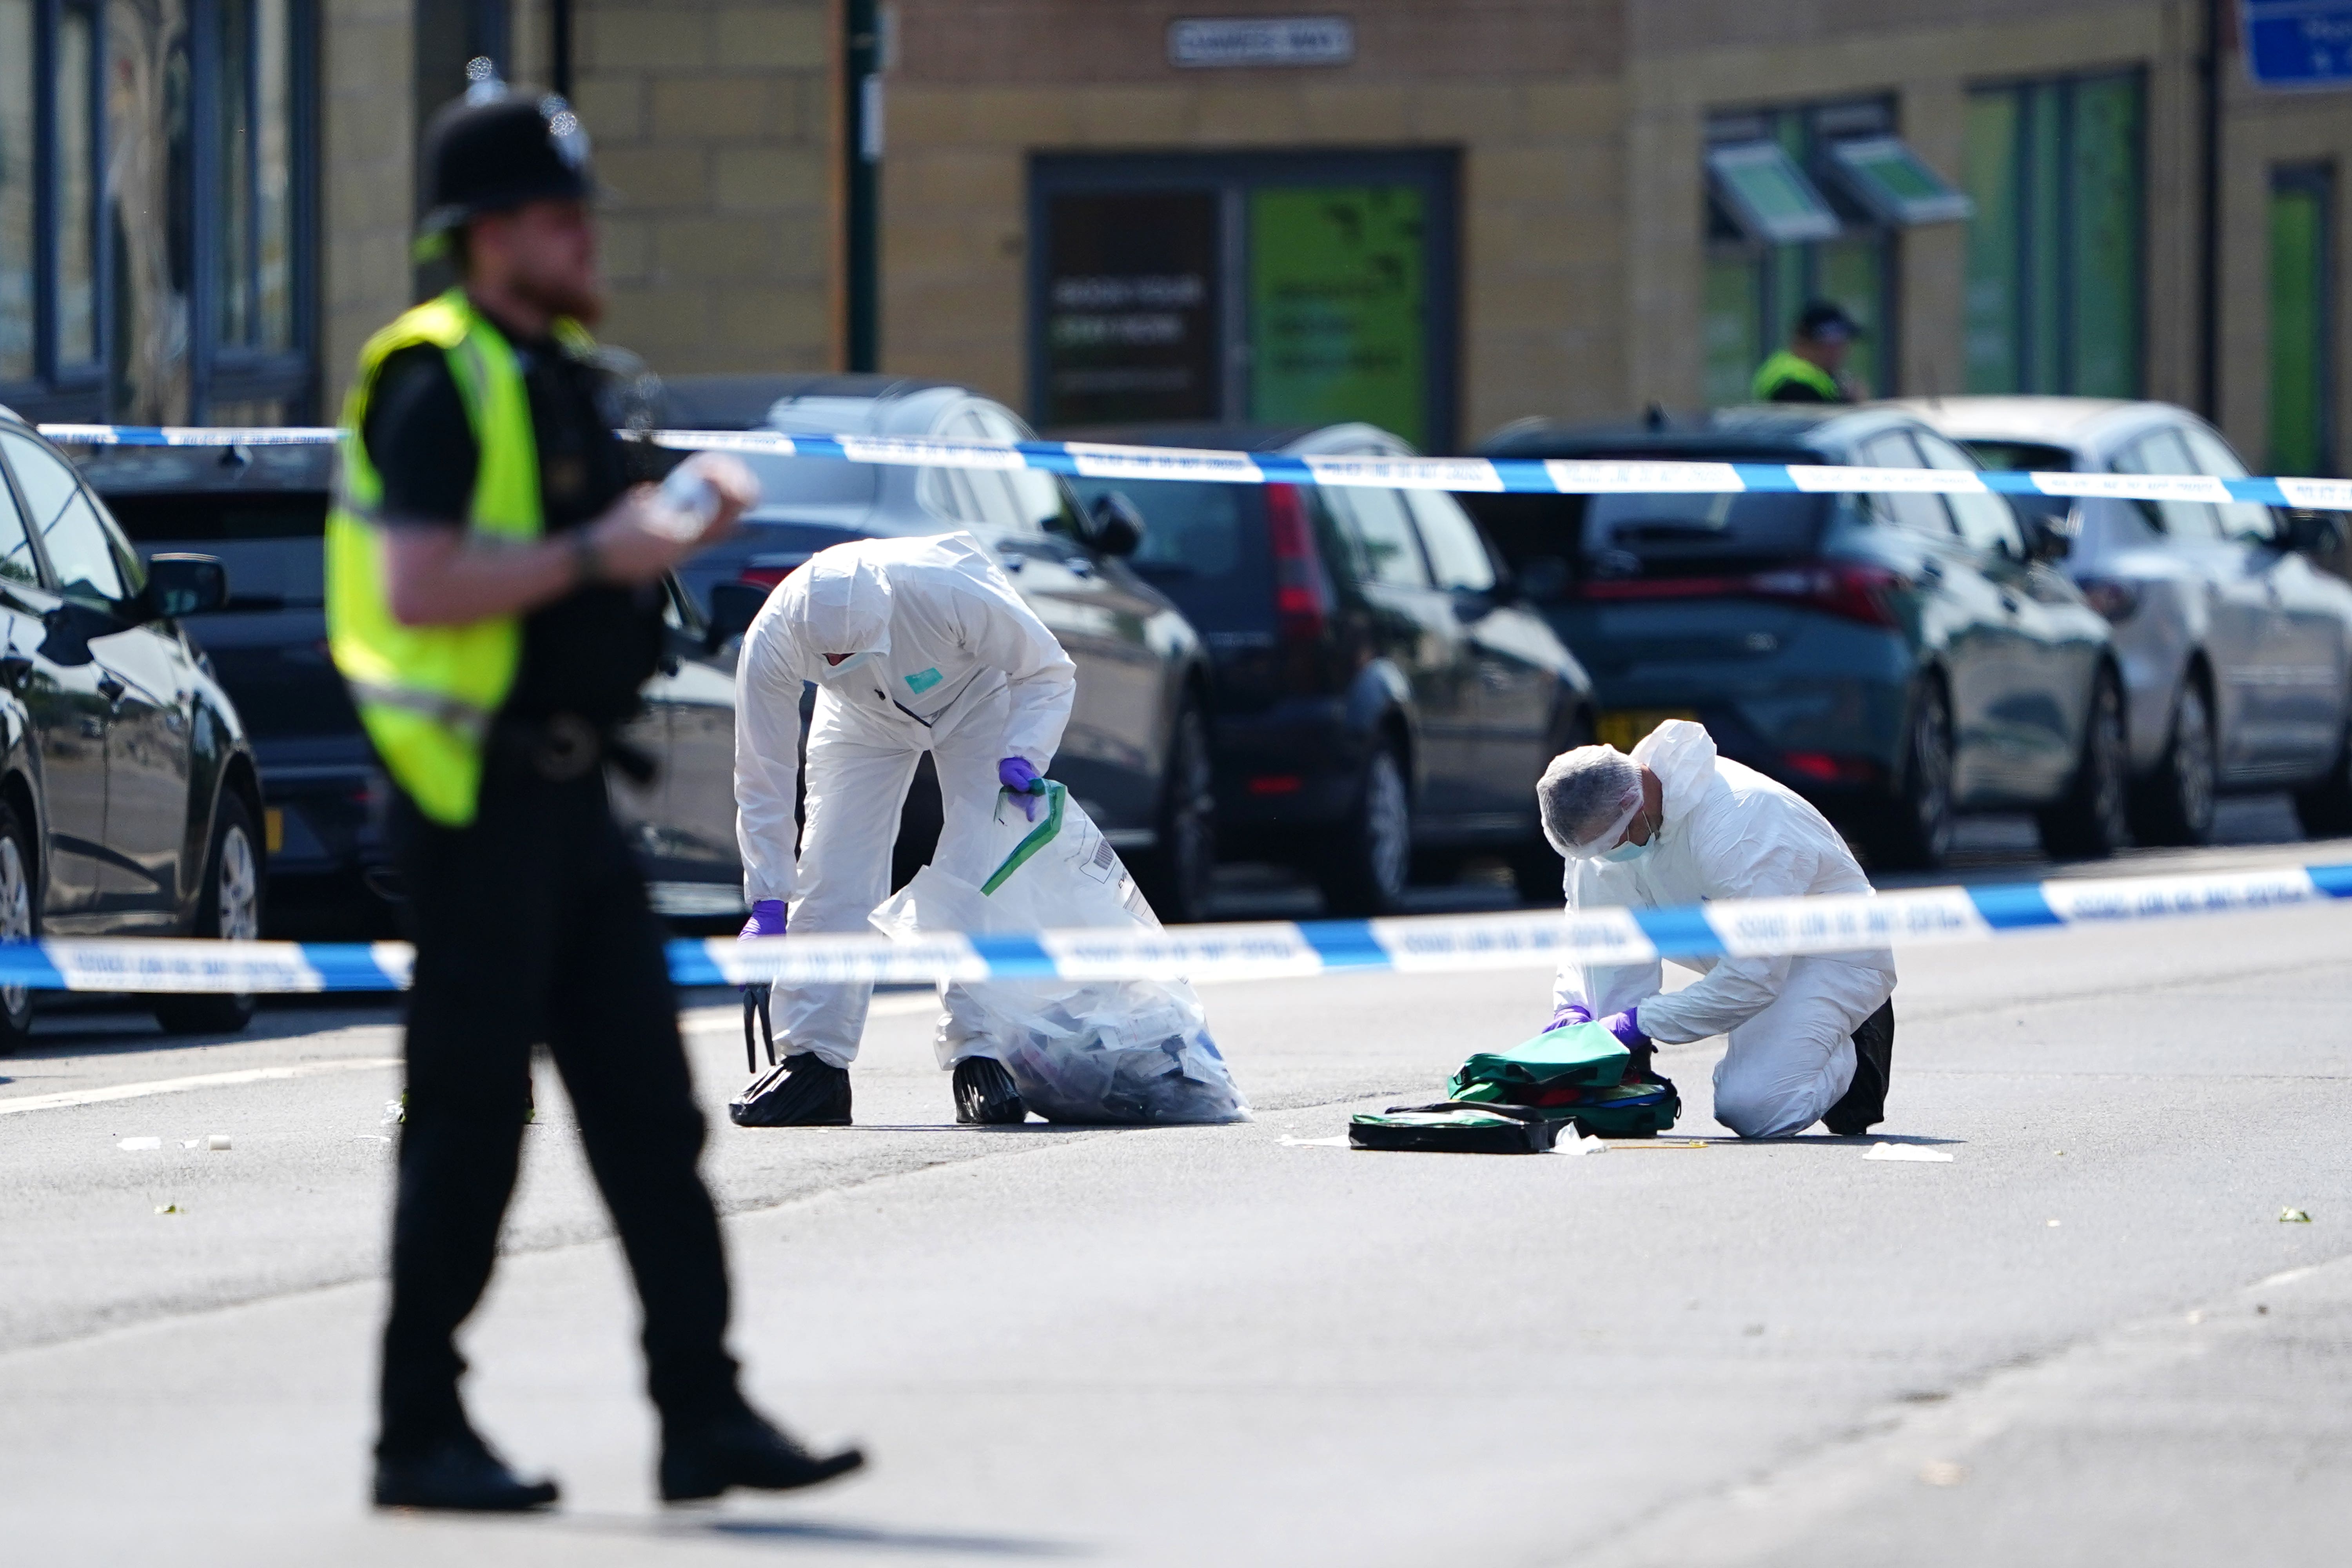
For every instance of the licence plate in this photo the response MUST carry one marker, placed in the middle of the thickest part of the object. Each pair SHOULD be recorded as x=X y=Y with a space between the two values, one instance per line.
x=1625 y=727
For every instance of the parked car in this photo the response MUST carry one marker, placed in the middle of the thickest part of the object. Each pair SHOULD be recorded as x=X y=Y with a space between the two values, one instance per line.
x=1896 y=658
x=1382 y=694
x=262 y=510
x=1136 y=753
x=2236 y=651
x=129 y=800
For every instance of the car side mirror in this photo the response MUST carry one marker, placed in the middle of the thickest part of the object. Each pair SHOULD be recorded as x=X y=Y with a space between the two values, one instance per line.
x=2312 y=532
x=1115 y=523
x=733 y=607
x=182 y=586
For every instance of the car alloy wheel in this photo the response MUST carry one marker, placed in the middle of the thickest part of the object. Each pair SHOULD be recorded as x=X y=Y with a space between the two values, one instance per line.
x=16 y=924
x=1177 y=874
x=2091 y=822
x=1388 y=826
x=1925 y=835
x=229 y=910
x=237 y=892
x=2176 y=806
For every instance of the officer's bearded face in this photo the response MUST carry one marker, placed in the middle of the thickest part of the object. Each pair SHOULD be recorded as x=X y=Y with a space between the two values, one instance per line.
x=547 y=250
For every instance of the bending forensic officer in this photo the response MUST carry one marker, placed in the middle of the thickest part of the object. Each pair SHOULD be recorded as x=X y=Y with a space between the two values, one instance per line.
x=1812 y=1038
x=915 y=645
x=494 y=603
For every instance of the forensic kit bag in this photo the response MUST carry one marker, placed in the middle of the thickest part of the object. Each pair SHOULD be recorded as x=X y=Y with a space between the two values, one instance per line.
x=1572 y=1077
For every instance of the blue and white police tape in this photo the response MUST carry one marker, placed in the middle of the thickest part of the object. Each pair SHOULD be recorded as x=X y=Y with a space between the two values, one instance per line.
x=1424 y=944
x=1526 y=476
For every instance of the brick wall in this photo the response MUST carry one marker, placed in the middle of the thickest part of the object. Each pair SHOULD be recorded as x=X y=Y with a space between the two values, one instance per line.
x=365 y=180
x=712 y=120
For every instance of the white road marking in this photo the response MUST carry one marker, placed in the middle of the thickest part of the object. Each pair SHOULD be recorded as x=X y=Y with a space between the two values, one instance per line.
x=175 y=1085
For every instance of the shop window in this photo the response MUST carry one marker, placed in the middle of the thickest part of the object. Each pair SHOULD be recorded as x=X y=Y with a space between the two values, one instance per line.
x=1293 y=289
x=2302 y=335
x=2054 y=288
x=1807 y=203
x=155 y=260
x=48 y=181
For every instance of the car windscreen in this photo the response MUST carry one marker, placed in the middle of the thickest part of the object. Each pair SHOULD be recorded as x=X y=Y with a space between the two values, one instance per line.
x=271 y=542
x=1203 y=546
x=2020 y=456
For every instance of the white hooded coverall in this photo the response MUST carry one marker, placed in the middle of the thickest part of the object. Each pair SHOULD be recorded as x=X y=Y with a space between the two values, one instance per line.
x=963 y=670
x=1731 y=833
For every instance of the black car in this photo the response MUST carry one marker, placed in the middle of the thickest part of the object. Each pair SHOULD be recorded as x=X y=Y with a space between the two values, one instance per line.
x=262 y=510
x=129 y=804
x=1136 y=751
x=1381 y=696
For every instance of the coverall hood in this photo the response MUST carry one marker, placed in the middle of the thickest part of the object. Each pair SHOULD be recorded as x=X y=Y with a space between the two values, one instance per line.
x=1682 y=756
x=848 y=607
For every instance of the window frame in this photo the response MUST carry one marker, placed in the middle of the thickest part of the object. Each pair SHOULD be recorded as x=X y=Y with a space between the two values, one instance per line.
x=56 y=390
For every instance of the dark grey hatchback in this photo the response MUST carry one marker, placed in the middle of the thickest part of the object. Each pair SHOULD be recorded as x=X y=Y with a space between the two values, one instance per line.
x=1897 y=657
x=1381 y=695
x=129 y=802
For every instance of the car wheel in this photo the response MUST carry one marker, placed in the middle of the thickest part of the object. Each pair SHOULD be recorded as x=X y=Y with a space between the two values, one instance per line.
x=2093 y=821
x=228 y=910
x=1370 y=862
x=1177 y=874
x=2176 y=805
x=19 y=921
x=1915 y=832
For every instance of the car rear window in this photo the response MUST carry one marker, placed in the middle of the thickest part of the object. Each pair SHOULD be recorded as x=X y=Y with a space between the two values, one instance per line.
x=271 y=542
x=811 y=481
x=1554 y=542
x=1203 y=546
x=2022 y=456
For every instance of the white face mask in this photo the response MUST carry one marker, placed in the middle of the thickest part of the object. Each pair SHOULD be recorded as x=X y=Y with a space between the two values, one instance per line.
x=833 y=674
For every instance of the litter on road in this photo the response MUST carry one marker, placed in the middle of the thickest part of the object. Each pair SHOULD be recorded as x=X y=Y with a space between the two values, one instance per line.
x=136 y=1145
x=1908 y=1151
x=2294 y=1216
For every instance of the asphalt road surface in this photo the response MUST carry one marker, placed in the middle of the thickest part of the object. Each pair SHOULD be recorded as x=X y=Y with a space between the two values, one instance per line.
x=2087 y=1338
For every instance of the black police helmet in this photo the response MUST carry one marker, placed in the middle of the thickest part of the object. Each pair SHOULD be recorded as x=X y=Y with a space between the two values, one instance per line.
x=494 y=150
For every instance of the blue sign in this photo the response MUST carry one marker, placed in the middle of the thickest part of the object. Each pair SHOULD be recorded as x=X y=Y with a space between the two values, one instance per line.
x=2299 y=43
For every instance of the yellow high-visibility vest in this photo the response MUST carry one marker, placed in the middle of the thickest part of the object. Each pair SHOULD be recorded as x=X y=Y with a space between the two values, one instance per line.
x=427 y=695
x=1784 y=367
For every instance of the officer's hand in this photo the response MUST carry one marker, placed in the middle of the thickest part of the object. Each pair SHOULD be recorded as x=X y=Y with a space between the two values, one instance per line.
x=638 y=539
x=738 y=488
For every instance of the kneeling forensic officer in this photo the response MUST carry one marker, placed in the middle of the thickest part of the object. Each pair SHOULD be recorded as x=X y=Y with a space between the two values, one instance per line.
x=915 y=645
x=1813 y=1037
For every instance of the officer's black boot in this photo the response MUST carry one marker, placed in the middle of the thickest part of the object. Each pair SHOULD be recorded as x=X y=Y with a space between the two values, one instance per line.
x=740 y=1448
x=805 y=1090
x=985 y=1095
x=1864 y=1105
x=459 y=1472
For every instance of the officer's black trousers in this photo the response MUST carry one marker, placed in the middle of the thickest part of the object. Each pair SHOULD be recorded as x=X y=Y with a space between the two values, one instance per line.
x=533 y=925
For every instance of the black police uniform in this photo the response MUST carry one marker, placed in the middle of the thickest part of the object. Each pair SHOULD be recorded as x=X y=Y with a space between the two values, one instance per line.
x=532 y=925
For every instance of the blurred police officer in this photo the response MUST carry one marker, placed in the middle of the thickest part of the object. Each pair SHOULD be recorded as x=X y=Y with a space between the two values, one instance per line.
x=494 y=604
x=1811 y=368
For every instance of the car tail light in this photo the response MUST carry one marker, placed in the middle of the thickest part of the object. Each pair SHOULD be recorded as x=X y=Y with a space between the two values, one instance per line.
x=1854 y=591
x=764 y=577
x=1276 y=784
x=2116 y=601
x=1302 y=607
x=1824 y=767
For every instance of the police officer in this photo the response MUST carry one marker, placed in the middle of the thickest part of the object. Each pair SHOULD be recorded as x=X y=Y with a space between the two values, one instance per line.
x=1808 y=369
x=493 y=603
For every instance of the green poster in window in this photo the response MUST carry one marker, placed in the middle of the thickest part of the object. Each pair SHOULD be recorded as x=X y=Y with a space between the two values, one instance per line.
x=1338 y=281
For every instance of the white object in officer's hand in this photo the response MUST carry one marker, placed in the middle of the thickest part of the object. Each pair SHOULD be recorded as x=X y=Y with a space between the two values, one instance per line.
x=689 y=503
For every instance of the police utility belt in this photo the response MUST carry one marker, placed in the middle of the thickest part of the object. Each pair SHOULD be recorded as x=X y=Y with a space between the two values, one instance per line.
x=563 y=747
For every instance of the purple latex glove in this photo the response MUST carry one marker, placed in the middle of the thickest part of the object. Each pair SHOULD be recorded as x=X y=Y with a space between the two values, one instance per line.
x=1627 y=1027
x=1570 y=1012
x=1015 y=774
x=767 y=920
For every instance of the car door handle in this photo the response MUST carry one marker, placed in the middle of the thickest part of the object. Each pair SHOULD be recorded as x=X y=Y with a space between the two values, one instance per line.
x=111 y=689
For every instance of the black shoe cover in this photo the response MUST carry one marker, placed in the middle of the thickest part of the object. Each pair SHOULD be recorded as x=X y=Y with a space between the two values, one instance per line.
x=1864 y=1105
x=460 y=1473
x=742 y=1450
x=985 y=1095
x=804 y=1091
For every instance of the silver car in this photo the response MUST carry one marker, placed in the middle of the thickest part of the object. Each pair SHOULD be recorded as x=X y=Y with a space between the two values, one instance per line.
x=2236 y=650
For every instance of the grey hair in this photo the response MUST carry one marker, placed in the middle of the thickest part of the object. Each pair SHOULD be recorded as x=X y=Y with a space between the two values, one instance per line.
x=1582 y=792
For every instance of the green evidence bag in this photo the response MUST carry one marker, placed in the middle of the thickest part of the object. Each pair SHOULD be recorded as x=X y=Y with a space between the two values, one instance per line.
x=1517 y=1100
